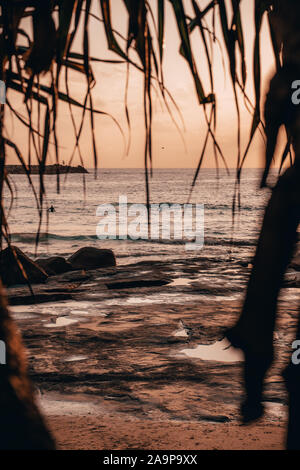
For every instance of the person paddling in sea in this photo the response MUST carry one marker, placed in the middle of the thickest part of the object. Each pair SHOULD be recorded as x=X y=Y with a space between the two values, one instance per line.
x=51 y=208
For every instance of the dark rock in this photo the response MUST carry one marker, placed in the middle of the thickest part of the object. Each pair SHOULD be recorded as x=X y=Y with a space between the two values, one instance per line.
x=214 y=418
x=92 y=258
x=54 y=265
x=138 y=283
x=39 y=298
x=11 y=272
x=74 y=277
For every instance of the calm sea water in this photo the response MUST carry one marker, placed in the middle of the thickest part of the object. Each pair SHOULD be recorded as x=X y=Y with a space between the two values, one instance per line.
x=74 y=222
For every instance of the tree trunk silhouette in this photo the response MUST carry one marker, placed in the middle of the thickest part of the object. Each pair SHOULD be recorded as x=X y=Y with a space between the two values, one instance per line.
x=253 y=332
x=22 y=426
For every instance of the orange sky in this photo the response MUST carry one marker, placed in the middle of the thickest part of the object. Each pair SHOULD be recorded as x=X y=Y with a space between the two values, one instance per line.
x=168 y=148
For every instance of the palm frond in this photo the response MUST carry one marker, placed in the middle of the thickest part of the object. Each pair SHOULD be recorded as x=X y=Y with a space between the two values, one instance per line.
x=47 y=46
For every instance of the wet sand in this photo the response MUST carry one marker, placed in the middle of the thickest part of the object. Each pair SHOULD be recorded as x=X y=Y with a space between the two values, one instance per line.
x=92 y=433
x=111 y=370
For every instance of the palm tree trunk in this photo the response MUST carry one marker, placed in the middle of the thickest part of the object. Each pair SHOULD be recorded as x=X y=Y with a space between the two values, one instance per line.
x=22 y=426
x=253 y=332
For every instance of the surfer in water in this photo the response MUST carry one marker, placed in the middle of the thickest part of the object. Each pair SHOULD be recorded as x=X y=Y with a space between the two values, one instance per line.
x=51 y=208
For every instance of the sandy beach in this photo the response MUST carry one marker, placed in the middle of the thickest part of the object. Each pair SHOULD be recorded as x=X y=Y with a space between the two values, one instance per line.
x=115 y=370
x=89 y=433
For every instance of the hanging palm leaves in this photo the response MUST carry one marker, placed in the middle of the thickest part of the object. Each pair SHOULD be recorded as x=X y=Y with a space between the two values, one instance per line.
x=47 y=47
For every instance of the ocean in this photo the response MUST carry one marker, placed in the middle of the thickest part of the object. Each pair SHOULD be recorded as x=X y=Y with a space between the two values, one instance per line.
x=74 y=222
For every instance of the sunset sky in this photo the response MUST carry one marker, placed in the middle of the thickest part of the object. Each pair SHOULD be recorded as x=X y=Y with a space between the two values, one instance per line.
x=168 y=148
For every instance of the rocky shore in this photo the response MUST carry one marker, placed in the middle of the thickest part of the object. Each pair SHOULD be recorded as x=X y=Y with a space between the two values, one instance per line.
x=106 y=349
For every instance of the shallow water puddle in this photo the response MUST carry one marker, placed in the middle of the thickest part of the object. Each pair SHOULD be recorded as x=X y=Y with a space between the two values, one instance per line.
x=64 y=407
x=276 y=410
x=19 y=308
x=75 y=358
x=220 y=351
x=22 y=315
x=182 y=332
x=80 y=312
x=181 y=281
x=67 y=304
x=151 y=299
x=74 y=308
x=63 y=304
x=88 y=312
x=58 y=309
x=61 y=321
